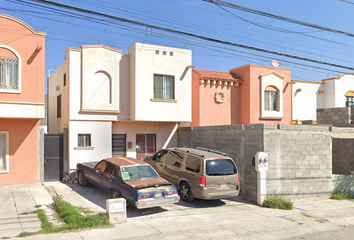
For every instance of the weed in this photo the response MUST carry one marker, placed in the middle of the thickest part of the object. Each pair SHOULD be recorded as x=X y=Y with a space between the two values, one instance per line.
x=340 y=195
x=305 y=215
x=322 y=220
x=277 y=202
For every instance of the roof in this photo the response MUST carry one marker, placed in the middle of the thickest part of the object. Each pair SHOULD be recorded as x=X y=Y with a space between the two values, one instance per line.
x=202 y=152
x=216 y=75
x=125 y=161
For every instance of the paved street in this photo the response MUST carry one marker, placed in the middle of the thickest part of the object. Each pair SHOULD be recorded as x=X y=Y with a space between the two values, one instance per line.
x=218 y=219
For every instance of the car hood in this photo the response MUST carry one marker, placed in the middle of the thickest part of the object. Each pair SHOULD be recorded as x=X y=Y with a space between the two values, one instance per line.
x=152 y=182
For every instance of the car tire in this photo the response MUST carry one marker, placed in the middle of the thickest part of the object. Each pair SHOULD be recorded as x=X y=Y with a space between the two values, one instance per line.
x=82 y=179
x=115 y=194
x=186 y=192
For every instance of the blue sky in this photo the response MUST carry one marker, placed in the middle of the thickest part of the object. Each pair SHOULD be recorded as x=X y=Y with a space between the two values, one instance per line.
x=207 y=19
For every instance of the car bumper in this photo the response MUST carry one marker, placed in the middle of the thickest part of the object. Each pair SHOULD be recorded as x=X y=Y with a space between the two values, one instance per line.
x=156 y=202
x=217 y=195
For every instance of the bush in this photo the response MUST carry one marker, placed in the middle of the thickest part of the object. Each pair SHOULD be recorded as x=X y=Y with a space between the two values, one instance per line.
x=340 y=195
x=277 y=202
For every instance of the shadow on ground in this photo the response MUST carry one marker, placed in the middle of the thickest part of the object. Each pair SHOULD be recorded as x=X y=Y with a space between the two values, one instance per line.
x=99 y=197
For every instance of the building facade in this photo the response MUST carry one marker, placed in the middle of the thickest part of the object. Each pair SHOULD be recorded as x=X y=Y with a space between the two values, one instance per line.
x=21 y=100
x=114 y=104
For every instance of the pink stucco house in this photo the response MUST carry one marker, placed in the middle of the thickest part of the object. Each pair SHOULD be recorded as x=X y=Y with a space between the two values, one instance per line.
x=248 y=94
x=21 y=100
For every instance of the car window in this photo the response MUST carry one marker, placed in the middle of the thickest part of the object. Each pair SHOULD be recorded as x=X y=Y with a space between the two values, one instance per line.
x=101 y=166
x=220 y=167
x=109 y=170
x=174 y=158
x=138 y=172
x=193 y=163
x=160 y=156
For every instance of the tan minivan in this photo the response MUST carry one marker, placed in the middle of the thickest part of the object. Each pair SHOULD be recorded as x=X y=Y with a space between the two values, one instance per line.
x=197 y=172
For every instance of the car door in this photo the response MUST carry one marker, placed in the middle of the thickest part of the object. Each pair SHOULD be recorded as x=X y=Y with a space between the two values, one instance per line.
x=98 y=172
x=157 y=161
x=172 y=166
x=108 y=177
x=191 y=172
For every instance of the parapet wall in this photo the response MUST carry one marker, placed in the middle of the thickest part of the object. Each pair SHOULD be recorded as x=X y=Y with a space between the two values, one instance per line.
x=300 y=156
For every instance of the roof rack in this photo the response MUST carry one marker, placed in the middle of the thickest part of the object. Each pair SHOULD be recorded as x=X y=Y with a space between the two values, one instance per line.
x=210 y=150
x=182 y=150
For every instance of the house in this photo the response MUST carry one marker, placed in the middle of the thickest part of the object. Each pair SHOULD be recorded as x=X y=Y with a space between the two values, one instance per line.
x=112 y=104
x=248 y=94
x=21 y=100
x=333 y=93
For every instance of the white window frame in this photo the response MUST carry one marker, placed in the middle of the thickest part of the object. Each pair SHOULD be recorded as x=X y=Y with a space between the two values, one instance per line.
x=6 y=152
x=18 y=73
x=84 y=135
x=164 y=87
x=275 y=80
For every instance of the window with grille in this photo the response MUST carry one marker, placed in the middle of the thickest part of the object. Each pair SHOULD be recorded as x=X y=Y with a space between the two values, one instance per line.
x=9 y=74
x=164 y=87
x=84 y=140
x=4 y=152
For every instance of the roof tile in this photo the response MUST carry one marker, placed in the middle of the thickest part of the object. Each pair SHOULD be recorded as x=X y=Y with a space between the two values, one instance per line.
x=216 y=75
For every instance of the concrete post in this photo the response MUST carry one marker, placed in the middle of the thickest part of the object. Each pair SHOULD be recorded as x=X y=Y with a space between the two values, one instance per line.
x=117 y=210
x=261 y=164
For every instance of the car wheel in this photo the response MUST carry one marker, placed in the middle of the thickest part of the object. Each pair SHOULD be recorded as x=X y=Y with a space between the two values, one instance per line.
x=116 y=194
x=82 y=179
x=186 y=192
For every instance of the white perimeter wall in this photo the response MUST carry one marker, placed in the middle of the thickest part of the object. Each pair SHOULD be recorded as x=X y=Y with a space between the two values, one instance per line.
x=163 y=131
x=101 y=140
x=305 y=102
x=335 y=91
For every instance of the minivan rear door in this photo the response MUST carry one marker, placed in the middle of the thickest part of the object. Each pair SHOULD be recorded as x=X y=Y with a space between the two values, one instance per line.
x=221 y=176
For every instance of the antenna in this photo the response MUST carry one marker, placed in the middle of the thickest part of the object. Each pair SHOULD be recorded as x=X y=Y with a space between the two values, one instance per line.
x=275 y=63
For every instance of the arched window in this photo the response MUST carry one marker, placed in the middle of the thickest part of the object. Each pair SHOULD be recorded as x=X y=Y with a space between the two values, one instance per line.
x=103 y=85
x=10 y=70
x=271 y=99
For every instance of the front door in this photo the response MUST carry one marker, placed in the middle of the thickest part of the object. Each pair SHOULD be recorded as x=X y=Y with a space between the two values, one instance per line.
x=145 y=145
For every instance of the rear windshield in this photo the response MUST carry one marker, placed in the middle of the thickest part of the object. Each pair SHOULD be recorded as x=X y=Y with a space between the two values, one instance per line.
x=220 y=167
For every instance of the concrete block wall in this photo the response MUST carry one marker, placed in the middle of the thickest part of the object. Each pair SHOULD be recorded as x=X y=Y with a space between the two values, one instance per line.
x=334 y=116
x=299 y=156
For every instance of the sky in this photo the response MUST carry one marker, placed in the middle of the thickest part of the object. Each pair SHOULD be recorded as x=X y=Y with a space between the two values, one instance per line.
x=65 y=29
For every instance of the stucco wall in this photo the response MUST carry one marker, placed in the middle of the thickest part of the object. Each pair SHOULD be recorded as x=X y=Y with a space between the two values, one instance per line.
x=23 y=151
x=144 y=63
x=299 y=156
x=101 y=141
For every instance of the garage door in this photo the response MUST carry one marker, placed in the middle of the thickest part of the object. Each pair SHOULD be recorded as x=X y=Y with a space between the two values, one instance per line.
x=119 y=145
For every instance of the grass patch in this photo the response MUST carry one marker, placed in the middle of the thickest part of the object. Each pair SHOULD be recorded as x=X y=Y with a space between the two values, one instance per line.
x=71 y=217
x=340 y=195
x=277 y=202
x=306 y=215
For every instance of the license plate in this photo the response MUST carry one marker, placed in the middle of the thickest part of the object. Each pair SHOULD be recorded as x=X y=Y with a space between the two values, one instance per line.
x=224 y=186
x=158 y=195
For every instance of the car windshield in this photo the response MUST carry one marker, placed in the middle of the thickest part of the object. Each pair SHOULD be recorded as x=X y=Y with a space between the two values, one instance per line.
x=138 y=172
x=220 y=167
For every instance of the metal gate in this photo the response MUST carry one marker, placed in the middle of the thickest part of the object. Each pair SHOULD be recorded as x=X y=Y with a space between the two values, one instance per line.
x=119 y=145
x=53 y=157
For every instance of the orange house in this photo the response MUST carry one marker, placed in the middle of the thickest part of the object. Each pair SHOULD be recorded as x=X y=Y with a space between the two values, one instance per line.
x=245 y=95
x=22 y=83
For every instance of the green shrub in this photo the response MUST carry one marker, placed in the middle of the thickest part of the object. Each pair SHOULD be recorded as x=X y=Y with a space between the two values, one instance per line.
x=277 y=202
x=340 y=195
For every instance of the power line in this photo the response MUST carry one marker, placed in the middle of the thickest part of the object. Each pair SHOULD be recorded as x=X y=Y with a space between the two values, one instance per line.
x=265 y=14
x=183 y=33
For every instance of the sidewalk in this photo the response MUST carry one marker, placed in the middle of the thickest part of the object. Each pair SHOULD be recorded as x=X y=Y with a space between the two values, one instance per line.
x=227 y=219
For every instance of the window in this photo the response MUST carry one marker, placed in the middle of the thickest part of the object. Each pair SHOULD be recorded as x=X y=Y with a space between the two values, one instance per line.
x=270 y=101
x=9 y=79
x=220 y=167
x=171 y=53
x=160 y=156
x=101 y=166
x=145 y=145
x=164 y=87
x=192 y=164
x=64 y=79
x=110 y=170
x=164 y=53
x=59 y=106
x=157 y=52
x=84 y=140
x=4 y=152
x=174 y=159
x=349 y=101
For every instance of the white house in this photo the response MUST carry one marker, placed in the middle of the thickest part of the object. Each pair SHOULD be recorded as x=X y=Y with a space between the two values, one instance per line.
x=329 y=93
x=114 y=104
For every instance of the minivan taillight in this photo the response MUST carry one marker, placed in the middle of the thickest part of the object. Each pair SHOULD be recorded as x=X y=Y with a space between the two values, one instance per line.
x=202 y=181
